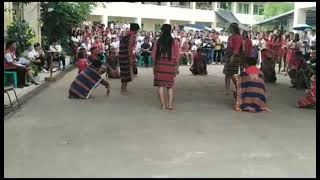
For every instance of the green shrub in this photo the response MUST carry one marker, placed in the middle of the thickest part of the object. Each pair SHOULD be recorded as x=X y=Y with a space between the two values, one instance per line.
x=22 y=33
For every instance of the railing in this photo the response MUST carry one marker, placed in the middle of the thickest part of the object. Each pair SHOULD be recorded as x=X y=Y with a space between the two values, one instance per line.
x=155 y=3
x=204 y=5
x=180 y=4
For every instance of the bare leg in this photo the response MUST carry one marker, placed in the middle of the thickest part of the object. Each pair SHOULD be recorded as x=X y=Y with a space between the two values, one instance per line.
x=227 y=83
x=234 y=80
x=161 y=97
x=30 y=76
x=284 y=63
x=170 y=97
x=280 y=63
x=124 y=90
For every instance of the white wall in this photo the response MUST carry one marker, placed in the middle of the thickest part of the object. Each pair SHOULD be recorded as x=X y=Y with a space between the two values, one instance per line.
x=247 y=18
x=32 y=17
x=124 y=9
x=303 y=5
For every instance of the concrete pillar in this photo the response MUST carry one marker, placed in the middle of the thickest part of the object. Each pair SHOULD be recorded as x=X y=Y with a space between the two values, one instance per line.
x=214 y=18
x=104 y=20
x=138 y=21
x=168 y=4
x=31 y=14
x=251 y=8
x=193 y=5
x=299 y=17
x=234 y=7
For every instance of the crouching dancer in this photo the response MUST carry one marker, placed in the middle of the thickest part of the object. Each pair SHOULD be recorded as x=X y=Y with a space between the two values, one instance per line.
x=87 y=80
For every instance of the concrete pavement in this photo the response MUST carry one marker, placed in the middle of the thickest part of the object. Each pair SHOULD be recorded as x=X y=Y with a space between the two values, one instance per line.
x=129 y=136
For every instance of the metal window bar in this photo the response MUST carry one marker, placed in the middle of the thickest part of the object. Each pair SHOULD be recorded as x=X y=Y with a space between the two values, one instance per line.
x=180 y=4
x=204 y=5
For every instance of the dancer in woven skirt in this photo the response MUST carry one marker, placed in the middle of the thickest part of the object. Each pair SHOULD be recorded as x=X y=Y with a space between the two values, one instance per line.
x=309 y=99
x=166 y=54
x=232 y=56
x=251 y=90
x=87 y=80
x=127 y=57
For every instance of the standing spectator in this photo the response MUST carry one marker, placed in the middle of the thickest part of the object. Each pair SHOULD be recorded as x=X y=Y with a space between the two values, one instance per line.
x=247 y=46
x=145 y=48
x=218 y=49
x=312 y=38
x=293 y=47
x=305 y=45
x=86 y=45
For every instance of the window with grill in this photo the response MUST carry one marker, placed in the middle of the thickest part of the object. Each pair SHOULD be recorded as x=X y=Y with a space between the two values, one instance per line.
x=243 y=8
x=258 y=9
x=226 y=6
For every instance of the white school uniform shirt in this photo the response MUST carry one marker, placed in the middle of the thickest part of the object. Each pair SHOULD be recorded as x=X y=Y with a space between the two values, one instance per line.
x=57 y=48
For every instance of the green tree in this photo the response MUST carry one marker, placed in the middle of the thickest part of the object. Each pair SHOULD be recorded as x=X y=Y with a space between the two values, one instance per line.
x=272 y=9
x=22 y=33
x=58 y=18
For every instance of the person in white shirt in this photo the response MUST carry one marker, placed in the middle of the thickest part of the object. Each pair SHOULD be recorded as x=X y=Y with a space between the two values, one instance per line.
x=86 y=45
x=312 y=37
x=305 y=45
x=58 y=56
x=115 y=43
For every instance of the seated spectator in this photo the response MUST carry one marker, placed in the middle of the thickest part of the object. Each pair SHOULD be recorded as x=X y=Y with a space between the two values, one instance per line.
x=113 y=65
x=250 y=89
x=36 y=56
x=145 y=51
x=199 y=66
x=58 y=56
x=87 y=81
x=11 y=64
x=309 y=99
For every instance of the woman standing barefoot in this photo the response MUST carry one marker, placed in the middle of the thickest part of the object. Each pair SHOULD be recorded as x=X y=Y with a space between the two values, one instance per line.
x=166 y=54
x=232 y=56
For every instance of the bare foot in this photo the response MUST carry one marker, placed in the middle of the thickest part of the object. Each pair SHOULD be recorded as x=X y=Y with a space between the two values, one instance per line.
x=124 y=92
x=163 y=108
x=170 y=109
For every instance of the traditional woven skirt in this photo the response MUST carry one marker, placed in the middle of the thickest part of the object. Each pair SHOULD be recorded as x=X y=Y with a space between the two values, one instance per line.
x=251 y=93
x=231 y=68
x=307 y=101
x=165 y=72
x=85 y=82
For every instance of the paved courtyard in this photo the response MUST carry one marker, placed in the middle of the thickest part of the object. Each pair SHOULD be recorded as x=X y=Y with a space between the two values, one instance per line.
x=129 y=136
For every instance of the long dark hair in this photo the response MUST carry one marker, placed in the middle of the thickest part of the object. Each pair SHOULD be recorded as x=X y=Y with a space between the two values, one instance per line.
x=296 y=37
x=164 y=44
x=234 y=28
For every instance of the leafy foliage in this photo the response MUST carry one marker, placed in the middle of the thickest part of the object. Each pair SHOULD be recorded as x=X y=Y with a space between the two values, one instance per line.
x=21 y=32
x=59 y=17
x=276 y=8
